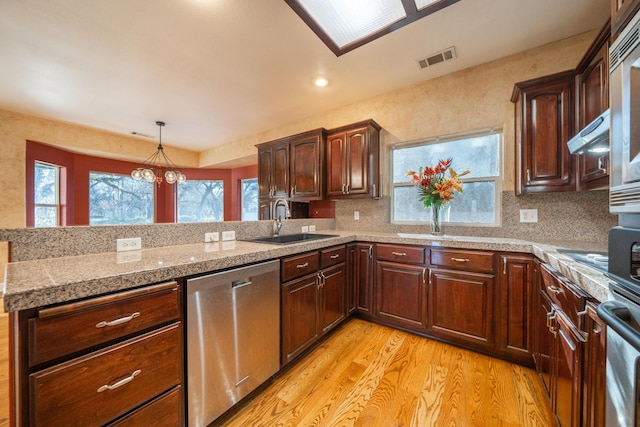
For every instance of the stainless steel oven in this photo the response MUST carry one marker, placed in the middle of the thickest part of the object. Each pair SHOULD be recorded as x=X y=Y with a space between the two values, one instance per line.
x=621 y=313
x=624 y=88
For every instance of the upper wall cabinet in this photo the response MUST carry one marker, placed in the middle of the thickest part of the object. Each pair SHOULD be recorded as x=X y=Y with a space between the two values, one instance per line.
x=544 y=114
x=621 y=13
x=353 y=161
x=273 y=170
x=592 y=82
x=306 y=156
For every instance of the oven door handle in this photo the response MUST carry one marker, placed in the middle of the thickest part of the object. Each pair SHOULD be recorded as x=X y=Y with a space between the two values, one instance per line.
x=617 y=316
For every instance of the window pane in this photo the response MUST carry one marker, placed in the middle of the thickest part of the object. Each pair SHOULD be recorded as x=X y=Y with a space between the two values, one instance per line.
x=45 y=184
x=476 y=204
x=249 y=201
x=45 y=216
x=200 y=201
x=479 y=154
x=119 y=199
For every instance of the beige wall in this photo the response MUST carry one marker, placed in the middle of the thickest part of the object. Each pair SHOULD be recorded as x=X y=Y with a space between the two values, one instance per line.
x=472 y=99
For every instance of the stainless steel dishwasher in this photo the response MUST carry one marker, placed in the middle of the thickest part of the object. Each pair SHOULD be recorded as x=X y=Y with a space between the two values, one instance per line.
x=233 y=337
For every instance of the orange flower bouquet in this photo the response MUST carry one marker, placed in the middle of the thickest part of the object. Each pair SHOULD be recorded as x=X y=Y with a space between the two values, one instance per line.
x=436 y=188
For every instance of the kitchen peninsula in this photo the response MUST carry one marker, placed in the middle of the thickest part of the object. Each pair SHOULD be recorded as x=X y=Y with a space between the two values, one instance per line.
x=41 y=290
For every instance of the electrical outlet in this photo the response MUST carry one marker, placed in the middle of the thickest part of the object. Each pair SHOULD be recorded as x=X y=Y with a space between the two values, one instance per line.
x=228 y=235
x=312 y=229
x=132 y=244
x=211 y=237
x=528 y=215
x=305 y=228
x=356 y=215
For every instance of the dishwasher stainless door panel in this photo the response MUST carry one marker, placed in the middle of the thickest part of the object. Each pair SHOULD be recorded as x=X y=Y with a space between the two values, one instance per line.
x=233 y=337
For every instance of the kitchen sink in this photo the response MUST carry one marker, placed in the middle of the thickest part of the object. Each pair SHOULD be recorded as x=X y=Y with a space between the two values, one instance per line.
x=291 y=238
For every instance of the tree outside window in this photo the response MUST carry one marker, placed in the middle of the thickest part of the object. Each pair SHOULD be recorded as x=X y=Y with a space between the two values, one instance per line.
x=119 y=199
x=200 y=201
x=249 y=199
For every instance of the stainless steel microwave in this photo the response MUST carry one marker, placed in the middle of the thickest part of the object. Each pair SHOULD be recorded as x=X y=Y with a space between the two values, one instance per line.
x=624 y=88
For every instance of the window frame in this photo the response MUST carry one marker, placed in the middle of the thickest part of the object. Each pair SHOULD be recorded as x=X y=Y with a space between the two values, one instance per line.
x=58 y=191
x=154 y=202
x=448 y=138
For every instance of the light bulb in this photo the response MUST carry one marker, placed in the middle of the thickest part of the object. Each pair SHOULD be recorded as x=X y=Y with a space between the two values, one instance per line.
x=180 y=177
x=170 y=176
x=137 y=174
x=148 y=175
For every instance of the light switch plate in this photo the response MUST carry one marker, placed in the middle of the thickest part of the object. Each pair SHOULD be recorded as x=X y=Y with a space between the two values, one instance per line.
x=228 y=235
x=211 y=237
x=305 y=228
x=133 y=244
x=356 y=215
x=312 y=229
x=528 y=215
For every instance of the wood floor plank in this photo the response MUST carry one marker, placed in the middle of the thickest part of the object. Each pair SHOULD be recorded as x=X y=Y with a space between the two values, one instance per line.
x=369 y=375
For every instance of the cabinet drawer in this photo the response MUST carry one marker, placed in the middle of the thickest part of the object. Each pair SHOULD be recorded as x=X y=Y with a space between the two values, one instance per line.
x=69 y=328
x=463 y=260
x=96 y=388
x=332 y=256
x=565 y=294
x=164 y=411
x=299 y=265
x=400 y=253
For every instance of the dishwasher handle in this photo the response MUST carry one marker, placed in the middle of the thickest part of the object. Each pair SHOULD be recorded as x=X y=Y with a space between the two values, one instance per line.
x=240 y=283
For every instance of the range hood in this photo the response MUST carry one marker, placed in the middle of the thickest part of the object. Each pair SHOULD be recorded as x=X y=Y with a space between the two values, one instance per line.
x=594 y=138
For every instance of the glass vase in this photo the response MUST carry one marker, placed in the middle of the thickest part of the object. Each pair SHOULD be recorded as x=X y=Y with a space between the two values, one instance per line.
x=436 y=225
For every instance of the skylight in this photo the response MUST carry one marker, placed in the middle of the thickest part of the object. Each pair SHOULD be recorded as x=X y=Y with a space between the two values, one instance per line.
x=344 y=25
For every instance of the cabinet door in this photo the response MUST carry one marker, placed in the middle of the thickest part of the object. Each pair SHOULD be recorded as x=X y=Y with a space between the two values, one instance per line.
x=460 y=307
x=306 y=153
x=334 y=309
x=621 y=13
x=357 y=162
x=300 y=304
x=515 y=307
x=265 y=186
x=401 y=295
x=544 y=118
x=568 y=358
x=595 y=360
x=543 y=339
x=280 y=170
x=364 y=278
x=336 y=180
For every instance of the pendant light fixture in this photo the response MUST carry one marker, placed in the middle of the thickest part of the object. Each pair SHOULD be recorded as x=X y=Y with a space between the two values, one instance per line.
x=153 y=168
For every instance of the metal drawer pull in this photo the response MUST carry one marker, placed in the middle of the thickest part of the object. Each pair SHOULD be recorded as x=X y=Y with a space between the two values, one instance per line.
x=121 y=382
x=556 y=290
x=118 y=321
x=306 y=264
x=460 y=259
x=335 y=256
x=399 y=253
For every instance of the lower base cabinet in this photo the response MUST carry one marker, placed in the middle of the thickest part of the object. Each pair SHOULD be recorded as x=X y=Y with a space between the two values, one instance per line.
x=401 y=296
x=315 y=303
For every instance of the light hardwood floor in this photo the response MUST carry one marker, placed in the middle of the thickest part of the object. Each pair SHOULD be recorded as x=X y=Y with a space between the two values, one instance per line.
x=369 y=375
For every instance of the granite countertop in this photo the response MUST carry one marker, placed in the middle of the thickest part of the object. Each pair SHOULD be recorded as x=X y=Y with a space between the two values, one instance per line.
x=32 y=284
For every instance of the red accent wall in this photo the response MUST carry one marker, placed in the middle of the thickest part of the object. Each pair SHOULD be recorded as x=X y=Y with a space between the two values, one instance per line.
x=76 y=168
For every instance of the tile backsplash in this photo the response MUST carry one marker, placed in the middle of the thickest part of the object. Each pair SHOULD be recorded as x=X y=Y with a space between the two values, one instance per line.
x=582 y=216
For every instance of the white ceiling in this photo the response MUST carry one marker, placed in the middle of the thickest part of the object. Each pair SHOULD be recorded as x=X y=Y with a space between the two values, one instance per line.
x=219 y=70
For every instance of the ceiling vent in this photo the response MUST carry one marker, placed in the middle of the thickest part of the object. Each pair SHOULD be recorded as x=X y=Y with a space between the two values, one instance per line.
x=431 y=60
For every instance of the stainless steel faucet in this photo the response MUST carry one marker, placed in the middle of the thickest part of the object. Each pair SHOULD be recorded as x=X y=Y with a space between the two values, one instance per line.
x=277 y=225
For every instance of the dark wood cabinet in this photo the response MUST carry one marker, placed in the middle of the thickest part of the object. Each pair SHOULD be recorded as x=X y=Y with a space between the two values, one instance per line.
x=401 y=295
x=306 y=170
x=621 y=13
x=93 y=361
x=313 y=298
x=515 y=307
x=593 y=99
x=567 y=372
x=273 y=170
x=461 y=307
x=544 y=336
x=360 y=279
x=594 y=372
x=353 y=161
x=544 y=114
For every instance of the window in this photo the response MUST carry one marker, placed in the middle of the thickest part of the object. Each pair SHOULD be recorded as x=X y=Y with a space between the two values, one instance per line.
x=46 y=195
x=478 y=204
x=200 y=201
x=249 y=199
x=119 y=199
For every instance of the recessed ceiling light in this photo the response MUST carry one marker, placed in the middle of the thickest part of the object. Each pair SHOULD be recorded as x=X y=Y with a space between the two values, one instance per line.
x=321 y=82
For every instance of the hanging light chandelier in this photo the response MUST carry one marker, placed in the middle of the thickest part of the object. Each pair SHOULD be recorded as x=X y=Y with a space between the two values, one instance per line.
x=153 y=168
